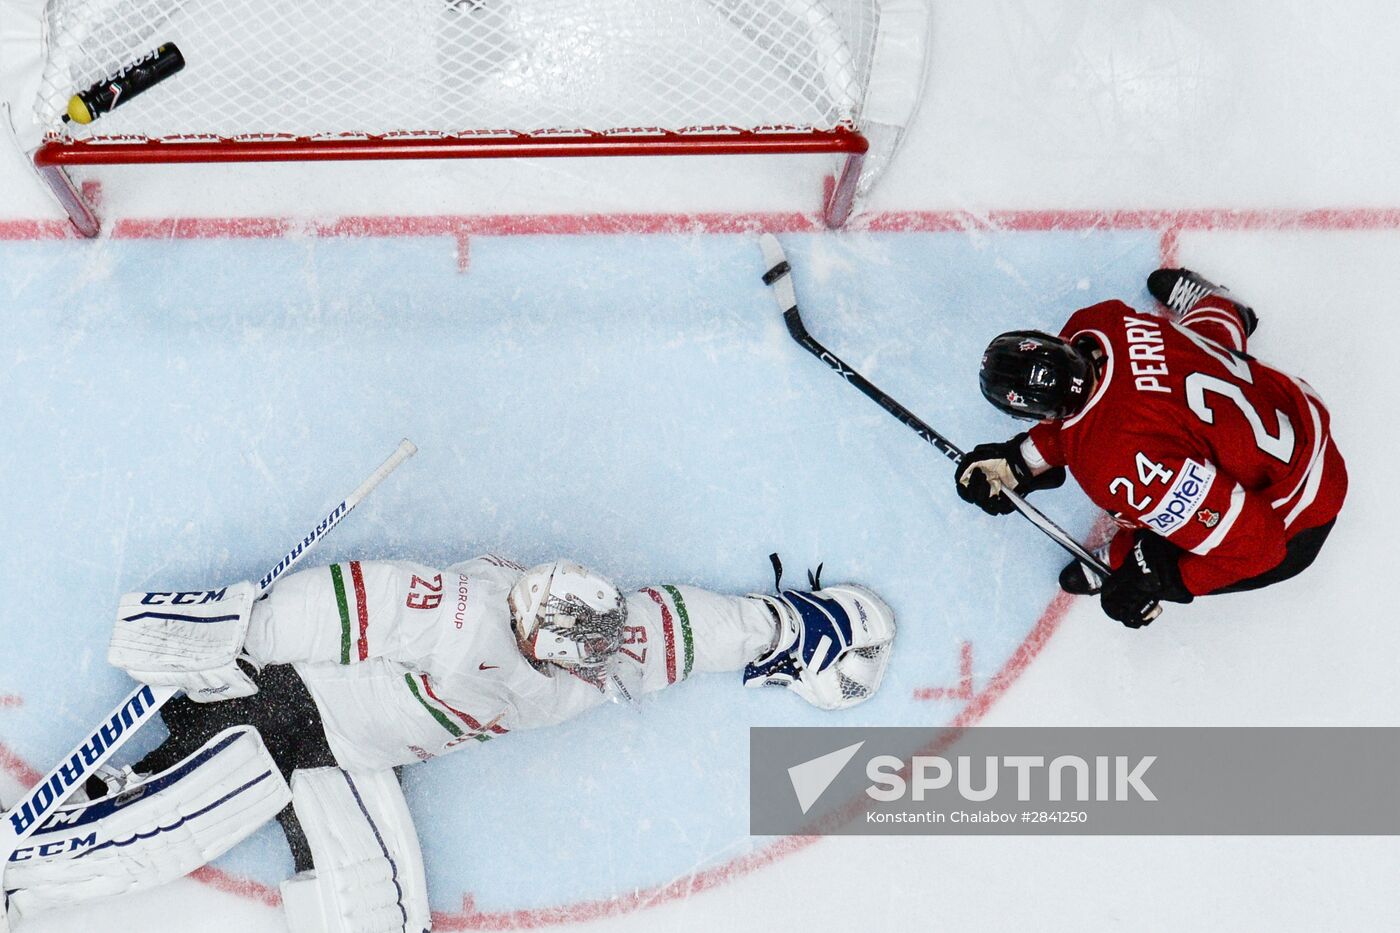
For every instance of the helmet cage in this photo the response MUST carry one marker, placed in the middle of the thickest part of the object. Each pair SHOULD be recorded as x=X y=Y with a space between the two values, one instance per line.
x=592 y=636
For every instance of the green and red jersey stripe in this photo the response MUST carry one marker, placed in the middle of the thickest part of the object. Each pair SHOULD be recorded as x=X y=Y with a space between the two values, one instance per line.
x=342 y=602
x=465 y=717
x=668 y=631
x=439 y=710
x=686 y=635
x=433 y=711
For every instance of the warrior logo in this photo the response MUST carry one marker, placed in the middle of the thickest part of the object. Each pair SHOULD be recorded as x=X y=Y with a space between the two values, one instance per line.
x=1208 y=518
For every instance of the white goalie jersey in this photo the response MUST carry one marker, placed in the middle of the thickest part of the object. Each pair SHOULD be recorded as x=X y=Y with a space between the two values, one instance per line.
x=406 y=662
x=403 y=662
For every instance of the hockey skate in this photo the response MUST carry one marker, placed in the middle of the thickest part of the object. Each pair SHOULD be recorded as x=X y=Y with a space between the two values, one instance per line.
x=1079 y=579
x=106 y=781
x=832 y=644
x=1181 y=289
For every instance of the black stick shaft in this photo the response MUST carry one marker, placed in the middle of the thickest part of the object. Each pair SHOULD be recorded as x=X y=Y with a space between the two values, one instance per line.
x=778 y=277
x=920 y=427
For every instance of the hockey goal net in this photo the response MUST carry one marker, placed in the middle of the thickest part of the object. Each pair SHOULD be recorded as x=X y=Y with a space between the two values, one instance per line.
x=360 y=79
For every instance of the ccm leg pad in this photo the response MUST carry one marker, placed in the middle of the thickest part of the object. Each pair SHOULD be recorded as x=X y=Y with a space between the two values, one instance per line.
x=368 y=875
x=152 y=831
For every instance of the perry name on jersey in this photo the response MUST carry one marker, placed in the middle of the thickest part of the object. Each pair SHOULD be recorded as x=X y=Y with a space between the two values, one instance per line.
x=1188 y=435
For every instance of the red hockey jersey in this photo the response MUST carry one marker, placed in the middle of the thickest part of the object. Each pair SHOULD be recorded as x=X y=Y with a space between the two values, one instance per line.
x=1187 y=435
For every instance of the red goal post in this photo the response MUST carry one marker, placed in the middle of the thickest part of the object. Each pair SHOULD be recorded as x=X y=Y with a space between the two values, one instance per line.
x=343 y=80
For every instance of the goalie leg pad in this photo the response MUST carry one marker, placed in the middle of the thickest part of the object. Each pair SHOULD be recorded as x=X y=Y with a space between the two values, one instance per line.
x=368 y=875
x=152 y=831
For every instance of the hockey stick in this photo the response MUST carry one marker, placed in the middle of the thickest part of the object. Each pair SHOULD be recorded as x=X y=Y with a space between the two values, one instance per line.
x=145 y=701
x=779 y=278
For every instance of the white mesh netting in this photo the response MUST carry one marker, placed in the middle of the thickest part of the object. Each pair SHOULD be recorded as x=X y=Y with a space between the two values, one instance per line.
x=314 y=68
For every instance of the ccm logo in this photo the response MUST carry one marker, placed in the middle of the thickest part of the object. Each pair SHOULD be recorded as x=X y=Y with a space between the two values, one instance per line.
x=50 y=849
x=189 y=598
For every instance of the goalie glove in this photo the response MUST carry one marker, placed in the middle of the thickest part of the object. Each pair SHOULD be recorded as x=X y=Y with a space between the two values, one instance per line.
x=832 y=647
x=987 y=469
x=190 y=640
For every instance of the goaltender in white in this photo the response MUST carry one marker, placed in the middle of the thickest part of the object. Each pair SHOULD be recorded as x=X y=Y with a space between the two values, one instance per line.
x=302 y=704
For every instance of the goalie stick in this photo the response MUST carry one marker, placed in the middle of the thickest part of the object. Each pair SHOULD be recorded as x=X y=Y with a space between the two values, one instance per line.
x=145 y=701
x=778 y=277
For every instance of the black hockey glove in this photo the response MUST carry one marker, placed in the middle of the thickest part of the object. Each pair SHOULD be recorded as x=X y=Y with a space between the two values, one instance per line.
x=1148 y=576
x=988 y=468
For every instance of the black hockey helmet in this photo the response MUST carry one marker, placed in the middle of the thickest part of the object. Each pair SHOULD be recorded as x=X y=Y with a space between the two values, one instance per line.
x=1034 y=376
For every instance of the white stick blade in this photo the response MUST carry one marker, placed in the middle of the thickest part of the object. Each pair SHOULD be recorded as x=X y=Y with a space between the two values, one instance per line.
x=772 y=250
x=774 y=257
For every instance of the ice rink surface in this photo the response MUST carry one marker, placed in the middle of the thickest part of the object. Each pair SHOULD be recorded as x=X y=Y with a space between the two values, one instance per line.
x=180 y=403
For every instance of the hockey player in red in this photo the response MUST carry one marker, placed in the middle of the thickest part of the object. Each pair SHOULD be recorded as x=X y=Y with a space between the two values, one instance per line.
x=1220 y=469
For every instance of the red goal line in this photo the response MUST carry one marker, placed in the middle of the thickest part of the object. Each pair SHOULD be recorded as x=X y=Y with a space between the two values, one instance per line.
x=1168 y=222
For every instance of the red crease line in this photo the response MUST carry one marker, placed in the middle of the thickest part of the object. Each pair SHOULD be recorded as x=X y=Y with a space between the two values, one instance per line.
x=470 y=918
x=459 y=227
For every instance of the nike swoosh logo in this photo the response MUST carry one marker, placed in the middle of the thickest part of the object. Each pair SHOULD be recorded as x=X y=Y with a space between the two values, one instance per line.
x=483 y=666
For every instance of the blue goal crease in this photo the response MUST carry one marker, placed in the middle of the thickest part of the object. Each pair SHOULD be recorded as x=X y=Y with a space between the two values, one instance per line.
x=632 y=402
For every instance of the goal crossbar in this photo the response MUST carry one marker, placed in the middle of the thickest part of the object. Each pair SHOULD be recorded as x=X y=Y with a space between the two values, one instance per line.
x=53 y=158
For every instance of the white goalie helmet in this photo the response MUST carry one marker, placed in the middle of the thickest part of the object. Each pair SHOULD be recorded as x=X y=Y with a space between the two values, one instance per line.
x=565 y=614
